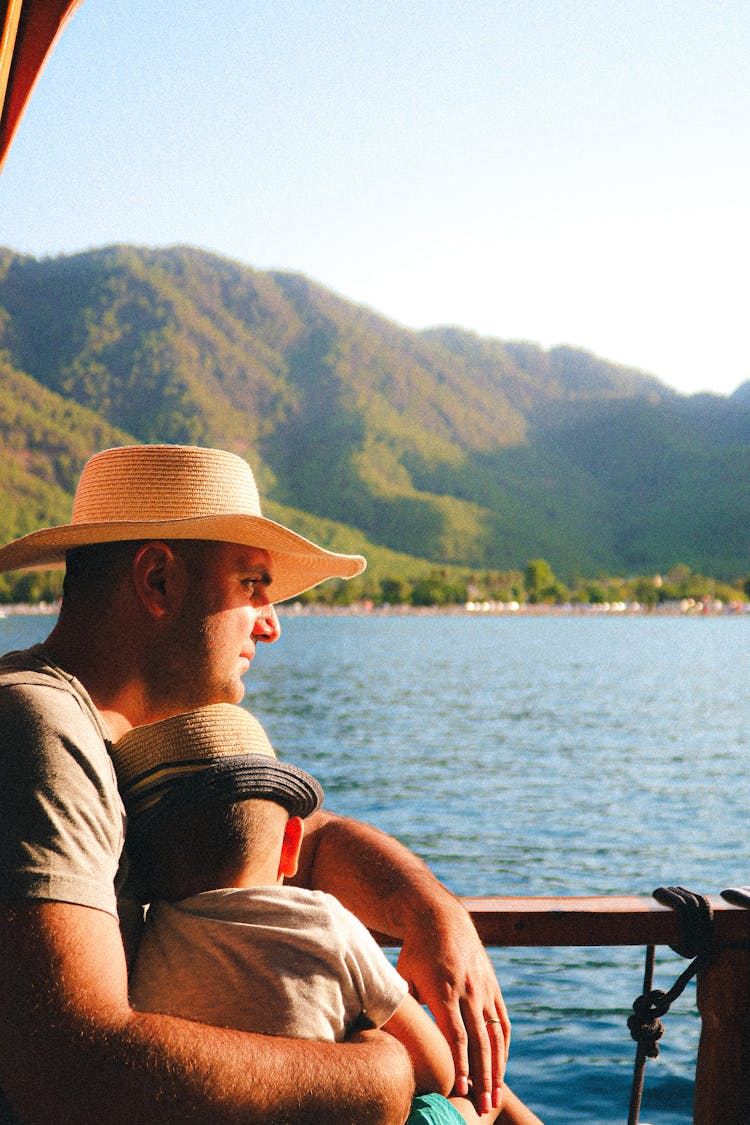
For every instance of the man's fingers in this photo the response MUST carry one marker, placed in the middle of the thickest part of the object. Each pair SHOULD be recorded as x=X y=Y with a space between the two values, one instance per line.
x=498 y=1033
x=479 y=1045
x=450 y=1022
x=498 y=1029
x=487 y=1050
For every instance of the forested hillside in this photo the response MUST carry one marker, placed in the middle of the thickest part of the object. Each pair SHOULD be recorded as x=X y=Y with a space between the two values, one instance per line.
x=437 y=444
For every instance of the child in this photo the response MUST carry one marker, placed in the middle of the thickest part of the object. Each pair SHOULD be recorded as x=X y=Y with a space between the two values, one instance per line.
x=215 y=823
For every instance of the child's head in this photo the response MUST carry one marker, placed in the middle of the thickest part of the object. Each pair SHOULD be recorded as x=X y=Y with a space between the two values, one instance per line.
x=209 y=804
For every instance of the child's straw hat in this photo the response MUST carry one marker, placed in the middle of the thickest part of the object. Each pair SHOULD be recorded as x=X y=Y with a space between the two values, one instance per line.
x=215 y=753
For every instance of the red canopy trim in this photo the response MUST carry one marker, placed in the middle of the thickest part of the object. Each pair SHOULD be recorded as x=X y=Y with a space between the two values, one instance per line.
x=28 y=31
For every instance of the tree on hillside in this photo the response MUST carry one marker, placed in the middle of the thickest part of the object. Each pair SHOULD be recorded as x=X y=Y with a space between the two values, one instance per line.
x=646 y=592
x=541 y=584
x=436 y=589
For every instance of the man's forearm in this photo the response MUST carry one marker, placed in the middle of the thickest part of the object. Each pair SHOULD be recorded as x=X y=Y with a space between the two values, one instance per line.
x=376 y=877
x=75 y=1053
x=170 y=1071
x=157 y=1068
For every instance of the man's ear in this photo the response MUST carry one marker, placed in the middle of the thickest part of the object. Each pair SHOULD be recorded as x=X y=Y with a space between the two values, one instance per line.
x=159 y=577
x=290 y=849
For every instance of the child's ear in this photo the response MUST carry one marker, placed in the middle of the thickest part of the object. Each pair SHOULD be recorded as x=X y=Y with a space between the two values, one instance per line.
x=290 y=848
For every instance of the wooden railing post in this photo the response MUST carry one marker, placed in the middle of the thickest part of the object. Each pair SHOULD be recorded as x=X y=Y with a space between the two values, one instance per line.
x=722 y=1073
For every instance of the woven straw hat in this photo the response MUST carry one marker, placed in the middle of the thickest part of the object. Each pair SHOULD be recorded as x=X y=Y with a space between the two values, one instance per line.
x=138 y=492
x=215 y=753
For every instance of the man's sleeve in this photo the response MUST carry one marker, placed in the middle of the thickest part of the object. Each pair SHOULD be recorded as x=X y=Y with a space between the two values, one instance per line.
x=61 y=819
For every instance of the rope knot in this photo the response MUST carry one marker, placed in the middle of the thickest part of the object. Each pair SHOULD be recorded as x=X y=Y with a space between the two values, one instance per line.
x=645 y=1026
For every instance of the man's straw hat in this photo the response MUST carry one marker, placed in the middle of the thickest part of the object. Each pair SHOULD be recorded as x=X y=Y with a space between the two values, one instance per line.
x=215 y=753
x=141 y=492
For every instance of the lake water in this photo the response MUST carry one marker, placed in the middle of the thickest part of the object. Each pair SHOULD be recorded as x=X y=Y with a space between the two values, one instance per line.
x=535 y=756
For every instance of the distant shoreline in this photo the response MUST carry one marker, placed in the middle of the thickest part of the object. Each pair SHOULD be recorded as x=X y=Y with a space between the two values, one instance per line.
x=29 y=609
x=687 y=607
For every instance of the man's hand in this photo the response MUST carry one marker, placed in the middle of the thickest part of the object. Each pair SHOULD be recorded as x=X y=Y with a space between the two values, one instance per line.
x=447 y=968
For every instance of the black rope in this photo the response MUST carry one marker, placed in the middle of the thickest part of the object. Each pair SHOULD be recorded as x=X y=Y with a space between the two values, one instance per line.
x=696 y=919
x=738 y=896
x=646 y=1033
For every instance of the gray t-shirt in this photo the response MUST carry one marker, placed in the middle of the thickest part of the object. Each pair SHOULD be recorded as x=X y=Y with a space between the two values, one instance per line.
x=278 y=960
x=62 y=822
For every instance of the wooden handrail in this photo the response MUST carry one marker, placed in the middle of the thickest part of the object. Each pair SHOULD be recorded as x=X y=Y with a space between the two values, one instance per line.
x=595 y=920
x=722 y=1075
x=590 y=920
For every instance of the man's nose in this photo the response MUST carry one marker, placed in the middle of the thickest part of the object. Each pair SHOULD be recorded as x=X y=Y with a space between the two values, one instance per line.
x=267 y=627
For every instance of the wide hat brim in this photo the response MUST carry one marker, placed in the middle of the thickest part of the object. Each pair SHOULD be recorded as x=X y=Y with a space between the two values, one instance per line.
x=137 y=493
x=297 y=564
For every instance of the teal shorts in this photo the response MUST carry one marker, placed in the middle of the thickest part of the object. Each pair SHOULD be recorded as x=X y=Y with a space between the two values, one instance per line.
x=433 y=1109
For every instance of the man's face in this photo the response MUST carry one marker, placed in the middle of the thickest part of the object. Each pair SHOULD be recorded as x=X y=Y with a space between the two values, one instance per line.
x=226 y=612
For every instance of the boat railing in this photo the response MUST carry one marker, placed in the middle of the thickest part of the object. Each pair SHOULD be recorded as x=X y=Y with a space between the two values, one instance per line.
x=722 y=1074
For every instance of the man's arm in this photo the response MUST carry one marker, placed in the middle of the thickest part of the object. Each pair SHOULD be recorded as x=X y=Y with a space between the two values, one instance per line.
x=74 y=1051
x=442 y=958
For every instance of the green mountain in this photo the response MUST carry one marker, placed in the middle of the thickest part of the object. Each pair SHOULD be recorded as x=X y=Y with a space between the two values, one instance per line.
x=438 y=444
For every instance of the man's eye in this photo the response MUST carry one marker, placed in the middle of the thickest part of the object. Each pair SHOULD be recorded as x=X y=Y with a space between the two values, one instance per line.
x=254 y=584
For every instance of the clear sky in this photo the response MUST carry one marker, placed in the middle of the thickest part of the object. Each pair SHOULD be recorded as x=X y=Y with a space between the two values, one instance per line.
x=561 y=171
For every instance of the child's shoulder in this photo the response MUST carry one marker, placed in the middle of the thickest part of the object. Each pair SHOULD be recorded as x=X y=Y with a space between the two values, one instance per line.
x=324 y=905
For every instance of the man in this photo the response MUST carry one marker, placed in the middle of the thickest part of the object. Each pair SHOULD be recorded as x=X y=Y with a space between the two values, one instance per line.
x=171 y=576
